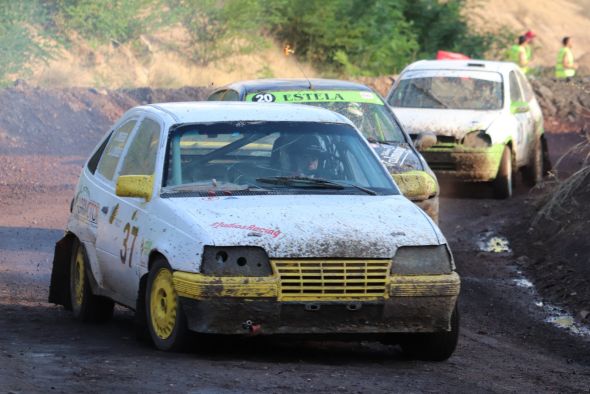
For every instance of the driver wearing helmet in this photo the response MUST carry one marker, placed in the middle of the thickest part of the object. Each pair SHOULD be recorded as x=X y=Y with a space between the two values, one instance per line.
x=307 y=154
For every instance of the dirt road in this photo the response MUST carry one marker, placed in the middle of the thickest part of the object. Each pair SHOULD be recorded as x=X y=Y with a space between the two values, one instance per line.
x=505 y=343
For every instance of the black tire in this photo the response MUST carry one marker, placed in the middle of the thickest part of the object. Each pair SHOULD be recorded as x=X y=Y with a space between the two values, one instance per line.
x=437 y=346
x=86 y=306
x=164 y=314
x=503 y=182
x=533 y=172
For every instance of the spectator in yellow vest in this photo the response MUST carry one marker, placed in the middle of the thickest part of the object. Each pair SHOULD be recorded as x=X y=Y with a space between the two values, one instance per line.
x=518 y=54
x=529 y=35
x=565 y=66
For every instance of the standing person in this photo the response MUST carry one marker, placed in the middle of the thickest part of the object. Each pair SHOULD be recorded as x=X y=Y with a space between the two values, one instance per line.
x=529 y=36
x=565 y=66
x=518 y=54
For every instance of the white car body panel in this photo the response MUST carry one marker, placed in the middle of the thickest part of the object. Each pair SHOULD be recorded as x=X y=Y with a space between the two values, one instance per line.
x=287 y=226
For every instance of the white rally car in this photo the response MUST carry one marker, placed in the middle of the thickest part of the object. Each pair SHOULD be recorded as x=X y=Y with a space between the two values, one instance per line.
x=484 y=114
x=243 y=218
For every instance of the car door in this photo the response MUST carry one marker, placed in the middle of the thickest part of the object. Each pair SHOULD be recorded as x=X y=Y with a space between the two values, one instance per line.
x=98 y=188
x=118 y=240
x=536 y=116
x=521 y=111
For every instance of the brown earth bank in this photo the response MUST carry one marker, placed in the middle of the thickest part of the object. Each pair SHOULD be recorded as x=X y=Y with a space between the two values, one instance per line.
x=505 y=345
x=52 y=121
x=552 y=235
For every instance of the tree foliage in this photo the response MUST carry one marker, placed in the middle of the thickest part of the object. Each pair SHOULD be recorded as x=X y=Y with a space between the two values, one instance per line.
x=218 y=29
x=21 y=41
x=374 y=37
x=107 y=21
x=340 y=37
x=358 y=36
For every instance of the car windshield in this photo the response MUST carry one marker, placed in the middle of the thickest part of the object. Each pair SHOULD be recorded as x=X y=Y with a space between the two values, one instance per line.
x=449 y=89
x=272 y=157
x=365 y=109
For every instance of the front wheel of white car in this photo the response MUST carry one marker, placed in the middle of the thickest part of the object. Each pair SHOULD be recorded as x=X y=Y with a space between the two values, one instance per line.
x=533 y=172
x=437 y=346
x=165 y=318
x=85 y=305
x=503 y=182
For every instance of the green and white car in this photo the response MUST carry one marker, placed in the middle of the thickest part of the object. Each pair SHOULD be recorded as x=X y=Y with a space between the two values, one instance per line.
x=369 y=113
x=484 y=114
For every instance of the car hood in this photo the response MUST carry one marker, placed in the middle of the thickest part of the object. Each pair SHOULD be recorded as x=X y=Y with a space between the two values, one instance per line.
x=445 y=122
x=309 y=226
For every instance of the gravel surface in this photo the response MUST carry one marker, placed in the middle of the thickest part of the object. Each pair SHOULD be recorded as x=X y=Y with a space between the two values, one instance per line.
x=506 y=343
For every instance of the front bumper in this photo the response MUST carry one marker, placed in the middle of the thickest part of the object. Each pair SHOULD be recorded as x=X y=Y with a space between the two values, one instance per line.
x=456 y=162
x=233 y=305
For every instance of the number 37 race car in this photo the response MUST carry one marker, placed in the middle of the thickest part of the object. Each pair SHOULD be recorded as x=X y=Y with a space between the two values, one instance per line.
x=242 y=219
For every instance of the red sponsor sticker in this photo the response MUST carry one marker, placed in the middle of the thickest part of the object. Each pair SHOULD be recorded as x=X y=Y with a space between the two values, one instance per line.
x=252 y=227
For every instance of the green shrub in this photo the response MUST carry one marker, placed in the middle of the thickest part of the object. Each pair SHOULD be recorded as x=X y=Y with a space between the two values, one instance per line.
x=107 y=21
x=219 y=29
x=21 y=37
x=353 y=36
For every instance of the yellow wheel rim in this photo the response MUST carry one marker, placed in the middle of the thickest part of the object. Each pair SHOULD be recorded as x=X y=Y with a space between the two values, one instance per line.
x=163 y=302
x=78 y=277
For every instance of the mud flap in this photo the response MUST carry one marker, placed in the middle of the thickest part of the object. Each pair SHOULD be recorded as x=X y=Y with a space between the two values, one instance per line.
x=59 y=288
x=547 y=166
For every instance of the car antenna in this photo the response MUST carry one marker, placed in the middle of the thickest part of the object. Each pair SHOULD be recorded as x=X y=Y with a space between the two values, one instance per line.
x=288 y=51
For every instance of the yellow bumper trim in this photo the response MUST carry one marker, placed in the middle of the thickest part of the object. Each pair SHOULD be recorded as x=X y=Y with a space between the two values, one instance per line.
x=200 y=287
x=425 y=285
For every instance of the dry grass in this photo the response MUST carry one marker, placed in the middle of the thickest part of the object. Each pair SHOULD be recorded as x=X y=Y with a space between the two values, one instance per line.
x=158 y=61
x=562 y=199
x=551 y=20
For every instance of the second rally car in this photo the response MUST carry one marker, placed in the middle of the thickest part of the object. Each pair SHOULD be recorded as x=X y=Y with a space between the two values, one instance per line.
x=367 y=110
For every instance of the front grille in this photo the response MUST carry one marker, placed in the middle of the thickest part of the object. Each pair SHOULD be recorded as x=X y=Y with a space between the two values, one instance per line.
x=443 y=166
x=324 y=280
x=441 y=139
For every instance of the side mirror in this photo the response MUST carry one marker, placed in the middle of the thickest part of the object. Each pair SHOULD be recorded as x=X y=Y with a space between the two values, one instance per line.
x=135 y=186
x=519 y=107
x=425 y=140
x=416 y=185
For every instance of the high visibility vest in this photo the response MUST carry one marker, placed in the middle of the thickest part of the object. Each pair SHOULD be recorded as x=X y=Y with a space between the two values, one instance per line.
x=515 y=52
x=560 y=70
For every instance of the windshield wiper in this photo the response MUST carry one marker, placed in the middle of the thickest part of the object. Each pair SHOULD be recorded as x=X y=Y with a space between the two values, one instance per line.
x=304 y=181
x=207 y=187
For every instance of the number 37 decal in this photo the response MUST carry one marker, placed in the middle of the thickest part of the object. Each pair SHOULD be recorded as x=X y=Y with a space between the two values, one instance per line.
x=129 y=231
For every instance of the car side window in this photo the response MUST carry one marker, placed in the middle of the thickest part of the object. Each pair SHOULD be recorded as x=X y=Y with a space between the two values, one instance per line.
x=217 y=96
x=231 y=95
x=526 y=87
x=93 y=162
x=140 y=158
x=110 y=159
x=515 y=93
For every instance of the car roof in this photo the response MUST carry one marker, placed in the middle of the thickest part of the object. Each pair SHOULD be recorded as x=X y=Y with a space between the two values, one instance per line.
x=471 y=65
x=263 y=85
x=207 y=112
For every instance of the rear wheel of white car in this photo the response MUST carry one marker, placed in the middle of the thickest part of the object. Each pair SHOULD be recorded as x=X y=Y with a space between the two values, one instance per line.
x=165 y=318
x=85 y=305
x=437 y=346
x=503 y=182
x=533 y=172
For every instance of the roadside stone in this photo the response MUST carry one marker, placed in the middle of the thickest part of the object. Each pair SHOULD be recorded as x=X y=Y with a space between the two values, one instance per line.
x=584 y=314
